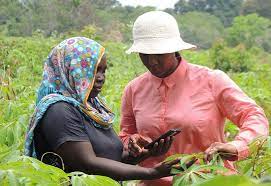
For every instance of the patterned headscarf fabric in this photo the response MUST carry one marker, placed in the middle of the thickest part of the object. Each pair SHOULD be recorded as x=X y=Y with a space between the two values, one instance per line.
x=69 y=75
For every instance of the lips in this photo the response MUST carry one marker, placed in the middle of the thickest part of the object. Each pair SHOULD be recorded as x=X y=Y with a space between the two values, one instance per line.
x=98 y=88
x=156 y=72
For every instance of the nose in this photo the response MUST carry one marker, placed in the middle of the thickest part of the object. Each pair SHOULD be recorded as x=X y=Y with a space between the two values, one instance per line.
x=152 y=61
x=100 y=77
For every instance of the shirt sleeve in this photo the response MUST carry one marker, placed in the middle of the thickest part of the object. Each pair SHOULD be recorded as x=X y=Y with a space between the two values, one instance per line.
x=127 y=120
x=62 y=123
x=241 y=110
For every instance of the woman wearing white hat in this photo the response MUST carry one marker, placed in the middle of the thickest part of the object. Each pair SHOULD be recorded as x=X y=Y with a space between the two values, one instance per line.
x=176 y=94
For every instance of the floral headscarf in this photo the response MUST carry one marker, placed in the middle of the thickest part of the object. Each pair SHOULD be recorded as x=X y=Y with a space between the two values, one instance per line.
x=69 y=75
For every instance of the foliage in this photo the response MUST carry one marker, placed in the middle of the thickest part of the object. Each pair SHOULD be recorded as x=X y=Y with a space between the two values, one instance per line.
x=21 y=62
x=89 y=31
x=259 y=162
x=261 y=7
x=257 y=85
x=251 y=30
x=198 y=172
x=29 y=171
x=234 y=180
x=202 y=173
x=195 y=29
x=79 y=178
x=224 y=10
x=54 y=17
x=227 y=59
x=201 y=22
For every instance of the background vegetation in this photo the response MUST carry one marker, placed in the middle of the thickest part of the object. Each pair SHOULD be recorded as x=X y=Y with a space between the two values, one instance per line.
x=232 y=35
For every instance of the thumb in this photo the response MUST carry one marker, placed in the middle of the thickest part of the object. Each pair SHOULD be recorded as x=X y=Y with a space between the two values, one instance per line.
x=144 y=140
x=134 y=137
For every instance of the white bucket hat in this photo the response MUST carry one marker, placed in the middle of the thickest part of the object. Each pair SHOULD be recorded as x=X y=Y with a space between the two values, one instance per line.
x=157 y=32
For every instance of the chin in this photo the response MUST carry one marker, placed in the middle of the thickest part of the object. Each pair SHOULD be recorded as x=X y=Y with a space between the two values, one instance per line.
x=158 y=75
x=93 y=94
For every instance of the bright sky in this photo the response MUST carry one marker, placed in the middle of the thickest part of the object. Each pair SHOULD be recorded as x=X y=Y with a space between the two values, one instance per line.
x=160 y=4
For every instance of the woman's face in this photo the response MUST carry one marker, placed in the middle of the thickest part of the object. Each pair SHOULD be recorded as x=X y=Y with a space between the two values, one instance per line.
x=99 y=78
x=160 y=65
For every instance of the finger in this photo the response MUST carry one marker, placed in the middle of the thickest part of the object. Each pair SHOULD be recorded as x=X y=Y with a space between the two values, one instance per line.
x=131 y=153
x=129 y=145
x=179 y=167
x=210 y=147
x=168 y=143
x=133 y=149
x=173 y=162
x=143 y=141
x=190 y=163
x=171 y=139
x=208 y=154
x=154 y=149
x=145 y=151
x=136 y=147
x=132 y=139
x=132 y=142
x=161 y=146
x=213 y=151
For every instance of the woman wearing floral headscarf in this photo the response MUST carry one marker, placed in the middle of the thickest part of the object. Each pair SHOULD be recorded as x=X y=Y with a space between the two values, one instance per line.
x=72 y=122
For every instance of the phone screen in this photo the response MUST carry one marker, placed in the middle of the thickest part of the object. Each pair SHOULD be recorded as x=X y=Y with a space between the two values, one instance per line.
x=171 y=132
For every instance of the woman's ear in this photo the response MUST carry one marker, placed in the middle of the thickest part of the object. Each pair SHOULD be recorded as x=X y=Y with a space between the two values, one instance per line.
x=178 y=55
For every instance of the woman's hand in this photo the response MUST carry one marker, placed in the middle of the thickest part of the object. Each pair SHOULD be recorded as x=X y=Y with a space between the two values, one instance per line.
x=136 y=145
x=227 y=151
x=163 y=169
x=137 y=142
x=162 y=147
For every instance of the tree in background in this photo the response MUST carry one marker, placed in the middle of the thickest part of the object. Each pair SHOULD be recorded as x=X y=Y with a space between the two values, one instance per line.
x=24 y=17
x=183 y=6
x=225 y=10
x=251 y=30
x=12 y=16
x=200 y=28
x=261 y=7
x=227 y=59
x=201 y=21
x=54 y=17
x=105 y=4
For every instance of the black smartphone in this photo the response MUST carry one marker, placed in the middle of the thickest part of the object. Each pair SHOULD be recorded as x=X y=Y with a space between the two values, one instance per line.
x=171 y=132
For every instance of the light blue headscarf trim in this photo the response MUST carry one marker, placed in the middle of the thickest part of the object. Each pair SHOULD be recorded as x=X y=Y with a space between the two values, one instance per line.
x=40 y=110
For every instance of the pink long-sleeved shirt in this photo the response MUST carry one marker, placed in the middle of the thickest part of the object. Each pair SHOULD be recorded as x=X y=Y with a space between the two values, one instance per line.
x=195 y=99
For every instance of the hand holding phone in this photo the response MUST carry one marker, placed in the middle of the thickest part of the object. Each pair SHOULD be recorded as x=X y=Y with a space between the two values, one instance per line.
x=169 y=133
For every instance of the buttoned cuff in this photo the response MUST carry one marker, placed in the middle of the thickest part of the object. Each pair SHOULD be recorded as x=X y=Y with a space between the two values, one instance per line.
x=242 y=149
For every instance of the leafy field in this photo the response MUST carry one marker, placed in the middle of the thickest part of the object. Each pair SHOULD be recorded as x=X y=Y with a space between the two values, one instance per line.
x=21 y=63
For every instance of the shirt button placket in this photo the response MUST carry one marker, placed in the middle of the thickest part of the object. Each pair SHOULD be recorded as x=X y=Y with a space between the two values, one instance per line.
x=162 y=91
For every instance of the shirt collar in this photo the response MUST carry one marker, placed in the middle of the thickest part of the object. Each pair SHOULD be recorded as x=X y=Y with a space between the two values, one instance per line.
x=170 y=80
